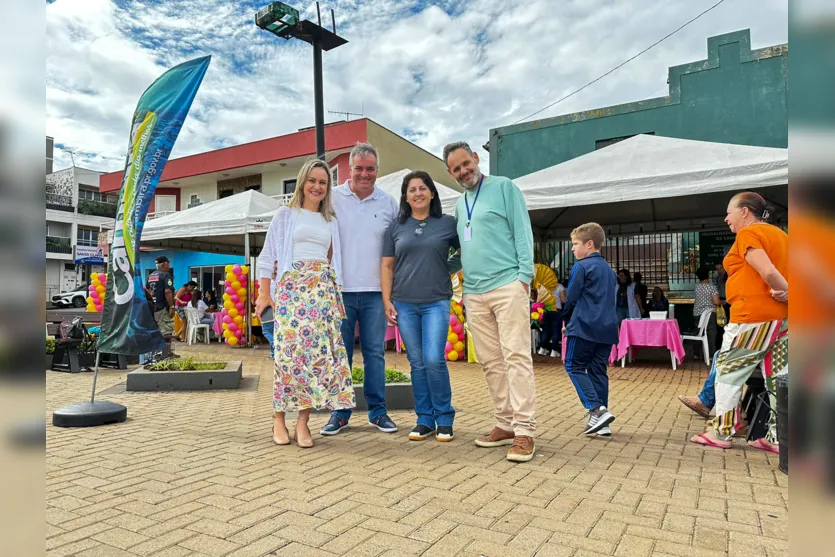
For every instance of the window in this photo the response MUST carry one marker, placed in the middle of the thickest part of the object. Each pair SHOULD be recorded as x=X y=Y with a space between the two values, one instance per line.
x=601 y=143
x=69 y=266
x=209 y=278
x=256 y=188
x=91 y=195
x=224 y=193
x=334 y=175
x=87 y=237
x=289 y=186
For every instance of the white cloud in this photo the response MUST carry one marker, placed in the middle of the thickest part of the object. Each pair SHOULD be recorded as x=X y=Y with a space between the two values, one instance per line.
x=442 y=72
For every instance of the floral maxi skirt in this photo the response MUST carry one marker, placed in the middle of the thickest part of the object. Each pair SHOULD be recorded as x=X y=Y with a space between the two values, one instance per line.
x=311 y=364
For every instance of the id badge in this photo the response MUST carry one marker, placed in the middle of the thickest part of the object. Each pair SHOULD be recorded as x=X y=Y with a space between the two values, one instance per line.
x=468 y=234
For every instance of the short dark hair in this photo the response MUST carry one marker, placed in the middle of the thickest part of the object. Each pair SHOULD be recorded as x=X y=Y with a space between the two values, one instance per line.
x=454 y=146
x=191 y=283
x=638 y=277
x=434 y=205
x=702 y=273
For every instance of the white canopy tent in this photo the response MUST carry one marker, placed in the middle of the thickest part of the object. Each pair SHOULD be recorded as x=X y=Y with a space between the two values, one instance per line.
x=221 y=226
x=391 y=184
x=650 y=183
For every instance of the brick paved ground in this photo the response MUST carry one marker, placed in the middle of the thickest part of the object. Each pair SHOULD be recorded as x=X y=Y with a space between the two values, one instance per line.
x=196 y=474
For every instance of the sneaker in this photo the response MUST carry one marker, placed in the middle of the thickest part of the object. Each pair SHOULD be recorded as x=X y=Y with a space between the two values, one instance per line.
x=496 y=438
x=604 y=431
x=542 y=352
x=598 y=419
x=335 y=425
x=522 y=450
x=555 y=354
x=384 y=424
x=420 y=433
x=444 y=433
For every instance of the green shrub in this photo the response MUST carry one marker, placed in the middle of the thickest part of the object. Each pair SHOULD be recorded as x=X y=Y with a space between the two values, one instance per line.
x=392 y=376
x=186 y=364
x=50 y=346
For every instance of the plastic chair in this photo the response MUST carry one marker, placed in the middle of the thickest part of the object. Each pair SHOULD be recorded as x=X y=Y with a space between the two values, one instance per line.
x=195 y=326
x=702 y=335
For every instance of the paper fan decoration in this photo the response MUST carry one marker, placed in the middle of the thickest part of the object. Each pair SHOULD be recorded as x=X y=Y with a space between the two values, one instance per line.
x=458 y=286
x=543 y=275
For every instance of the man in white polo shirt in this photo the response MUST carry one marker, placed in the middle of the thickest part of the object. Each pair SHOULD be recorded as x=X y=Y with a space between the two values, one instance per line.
x=364 y=213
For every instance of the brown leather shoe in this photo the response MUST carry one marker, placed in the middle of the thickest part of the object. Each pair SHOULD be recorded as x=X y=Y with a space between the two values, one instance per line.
x=694 y=404
x=496 y=438
x=522 y=450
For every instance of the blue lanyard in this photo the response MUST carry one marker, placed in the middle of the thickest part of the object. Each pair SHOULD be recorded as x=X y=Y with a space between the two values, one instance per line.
x=467 y=203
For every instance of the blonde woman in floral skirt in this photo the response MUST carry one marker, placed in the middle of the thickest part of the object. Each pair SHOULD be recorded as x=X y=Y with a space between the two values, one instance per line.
x=301 y=260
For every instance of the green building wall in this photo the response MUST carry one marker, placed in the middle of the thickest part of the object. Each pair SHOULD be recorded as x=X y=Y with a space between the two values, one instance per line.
x=737 y=95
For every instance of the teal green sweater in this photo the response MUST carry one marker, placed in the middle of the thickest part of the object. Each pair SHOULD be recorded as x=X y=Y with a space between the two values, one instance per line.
x=500 y=249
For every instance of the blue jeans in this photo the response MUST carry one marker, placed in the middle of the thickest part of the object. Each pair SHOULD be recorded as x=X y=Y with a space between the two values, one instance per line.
x=551 y=330
x=586 y=362
x=367 y=309
x=424 y=331
x=268 y=329
x=708 y=394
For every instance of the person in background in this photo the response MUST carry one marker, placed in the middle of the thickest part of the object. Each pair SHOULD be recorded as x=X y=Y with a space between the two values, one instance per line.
x=204 y=312
x=552 y=325
x=416 y=293
x=659 y=301
x=497 y=256
x=757 y=334
x=160 y=287
x=210 y=298
x=182 y=299
x=627 y=300
x=641 y=294
x=591 y=326
x=364 y=213
x=707 y=300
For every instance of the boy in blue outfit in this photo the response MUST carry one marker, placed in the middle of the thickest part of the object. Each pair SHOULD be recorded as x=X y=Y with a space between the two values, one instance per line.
x=591 y=325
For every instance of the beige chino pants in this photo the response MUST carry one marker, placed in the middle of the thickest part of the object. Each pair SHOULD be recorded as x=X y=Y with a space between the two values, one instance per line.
x=500 y=324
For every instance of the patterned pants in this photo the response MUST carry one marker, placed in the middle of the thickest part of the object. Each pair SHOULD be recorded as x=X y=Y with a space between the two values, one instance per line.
x=744 y=348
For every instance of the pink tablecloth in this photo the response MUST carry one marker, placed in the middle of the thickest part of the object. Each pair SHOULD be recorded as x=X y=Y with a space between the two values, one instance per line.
x=646 y=332
x=649 y=332
x=217 y=327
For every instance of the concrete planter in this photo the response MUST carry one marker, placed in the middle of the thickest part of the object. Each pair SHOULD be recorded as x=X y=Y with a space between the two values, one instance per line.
x=146 y=380
x=49 y=358
x=398 y=397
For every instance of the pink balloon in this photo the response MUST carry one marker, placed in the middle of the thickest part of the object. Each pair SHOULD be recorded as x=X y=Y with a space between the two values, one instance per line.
x=100 y=308
x=95 y=295
x=448 y=347
x=453 y=320
x=227 y=319
x=458 y=328
x=234 y=298
x=240 y=306
x=229 y=290
x=236 y=269
x=239 y=333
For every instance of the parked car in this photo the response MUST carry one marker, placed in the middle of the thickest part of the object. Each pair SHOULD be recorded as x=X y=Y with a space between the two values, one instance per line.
x=75 y=298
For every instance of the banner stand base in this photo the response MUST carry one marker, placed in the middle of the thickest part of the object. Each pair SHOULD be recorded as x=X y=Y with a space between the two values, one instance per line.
x=89 y=414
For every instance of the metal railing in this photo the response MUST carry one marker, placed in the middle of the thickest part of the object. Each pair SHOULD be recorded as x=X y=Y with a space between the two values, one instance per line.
x=283 y=198
x=56 y=244
x=158 y=214
x=59 y=202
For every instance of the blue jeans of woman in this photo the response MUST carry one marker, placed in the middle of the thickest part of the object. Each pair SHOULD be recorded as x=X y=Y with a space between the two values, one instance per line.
x=268 y=330
x=423 y=328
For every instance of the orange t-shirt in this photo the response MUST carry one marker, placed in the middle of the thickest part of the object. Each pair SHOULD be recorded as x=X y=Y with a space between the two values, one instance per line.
x=748 y=294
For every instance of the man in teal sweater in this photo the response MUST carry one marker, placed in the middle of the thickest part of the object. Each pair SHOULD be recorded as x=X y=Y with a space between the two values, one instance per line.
x=497 y=258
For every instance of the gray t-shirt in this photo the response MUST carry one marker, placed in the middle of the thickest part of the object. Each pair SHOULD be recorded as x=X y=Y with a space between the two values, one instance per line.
x=421 y=252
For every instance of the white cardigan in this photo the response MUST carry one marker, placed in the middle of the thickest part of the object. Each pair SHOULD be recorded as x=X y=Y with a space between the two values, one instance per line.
x=277 y=253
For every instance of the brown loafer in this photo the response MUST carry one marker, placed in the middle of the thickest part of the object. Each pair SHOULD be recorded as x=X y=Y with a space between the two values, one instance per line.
x=522 y=450
x=694 y=404
x=496 y=438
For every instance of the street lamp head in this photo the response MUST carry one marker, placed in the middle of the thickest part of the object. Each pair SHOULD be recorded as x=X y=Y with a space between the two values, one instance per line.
x=278 y=18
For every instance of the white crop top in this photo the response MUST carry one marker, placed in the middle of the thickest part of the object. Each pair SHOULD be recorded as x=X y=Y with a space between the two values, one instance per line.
x=311 y=237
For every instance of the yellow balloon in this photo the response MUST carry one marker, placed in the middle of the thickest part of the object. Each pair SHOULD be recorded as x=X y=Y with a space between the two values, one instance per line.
x=226 y=298
x=238 y=320
x=236 y=285
x=100 y=289
x=233 y=341
x=230 y=277
x=241 y=292
x=233 y=313
x=228 y=268
x=90 y=300
x=244 y=270
x=228 y=305
x=452 y=355
x=452 y=338
x=91 y=307
x=458 y=347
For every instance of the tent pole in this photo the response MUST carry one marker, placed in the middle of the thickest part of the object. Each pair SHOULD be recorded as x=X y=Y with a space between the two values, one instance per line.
x=248 y=319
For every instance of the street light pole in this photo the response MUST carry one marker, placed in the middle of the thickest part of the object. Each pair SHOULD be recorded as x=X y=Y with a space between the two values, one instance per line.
x=283 y=21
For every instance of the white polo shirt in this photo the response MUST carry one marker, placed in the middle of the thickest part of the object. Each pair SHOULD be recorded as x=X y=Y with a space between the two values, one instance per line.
x=362 y=226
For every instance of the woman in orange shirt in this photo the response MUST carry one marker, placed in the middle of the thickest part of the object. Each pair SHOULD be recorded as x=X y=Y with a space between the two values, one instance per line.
x=757 y=332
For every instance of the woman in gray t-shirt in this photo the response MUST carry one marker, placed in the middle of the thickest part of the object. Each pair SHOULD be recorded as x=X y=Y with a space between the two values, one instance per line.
x=416 y=285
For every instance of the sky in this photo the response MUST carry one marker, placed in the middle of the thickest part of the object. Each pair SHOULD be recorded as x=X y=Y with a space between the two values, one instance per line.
x=434 y=72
